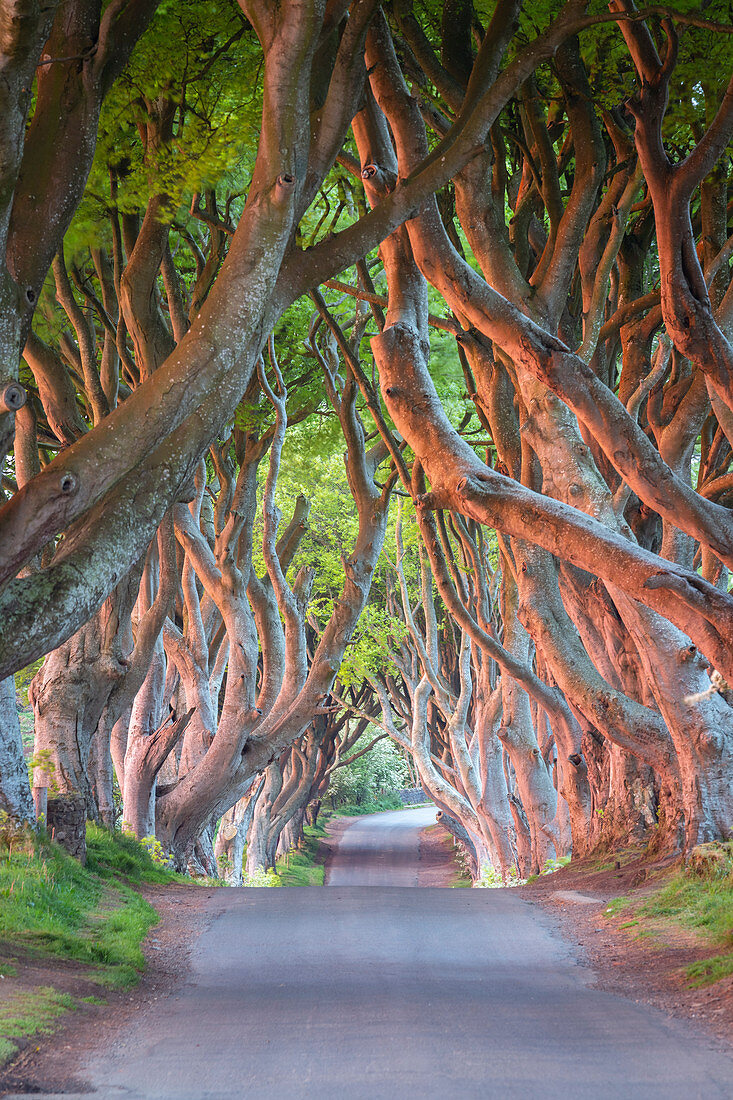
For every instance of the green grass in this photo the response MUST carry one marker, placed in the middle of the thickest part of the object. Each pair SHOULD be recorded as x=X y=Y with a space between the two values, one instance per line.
x=697 y=900
x=50 y=903
x=29 y=1013
x=378 y=805
x=52 y=906
x=699 y=904
x=118 y=855
x=299 y=867
x=615 y=906
x=707 y=971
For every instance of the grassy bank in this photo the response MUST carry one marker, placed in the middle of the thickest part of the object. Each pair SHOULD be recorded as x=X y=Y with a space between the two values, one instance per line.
x=29 y=1013
x=697 y=899
x=52 y=907
x=304 y=866
x=50 y=903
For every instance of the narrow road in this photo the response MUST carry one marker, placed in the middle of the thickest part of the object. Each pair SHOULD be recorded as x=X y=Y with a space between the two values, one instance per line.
x=383 y=992
x=380 y=849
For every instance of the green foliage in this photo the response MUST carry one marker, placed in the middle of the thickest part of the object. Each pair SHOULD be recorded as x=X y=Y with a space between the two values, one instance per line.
x=260 y=878
x=151 y=845
x=23 y=680
x=120 y=855
x=492 y=879
x=196 y=58
x=30 y=1012
x=552 y=865
x=378 y=774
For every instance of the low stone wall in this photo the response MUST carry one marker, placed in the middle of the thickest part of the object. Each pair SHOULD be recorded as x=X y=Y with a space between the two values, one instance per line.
x=412 y=796
x=66 y=822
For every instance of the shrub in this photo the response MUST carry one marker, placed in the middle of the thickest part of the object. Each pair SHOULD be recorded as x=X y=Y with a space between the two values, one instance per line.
x=261 y=878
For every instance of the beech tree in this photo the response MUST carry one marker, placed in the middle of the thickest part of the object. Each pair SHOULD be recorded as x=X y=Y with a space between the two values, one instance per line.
x=565 y=411
x=515 y=207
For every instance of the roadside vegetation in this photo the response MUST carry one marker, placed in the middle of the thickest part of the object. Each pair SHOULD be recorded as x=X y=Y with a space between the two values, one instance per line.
x=27 y=1014
x=375 y=805
x=370 y=783
x=304 y=866
x=697 y=900
x=49 y=903
x=52 y=907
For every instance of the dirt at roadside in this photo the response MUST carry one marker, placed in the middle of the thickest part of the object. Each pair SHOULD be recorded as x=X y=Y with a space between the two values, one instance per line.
x=335 y=829
x=651 y=969
x=54 y=1063
x=437 y=865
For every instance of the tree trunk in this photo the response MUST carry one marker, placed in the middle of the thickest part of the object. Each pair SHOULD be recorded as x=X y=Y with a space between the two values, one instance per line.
x=517 y=734
x=69 y=693
x=232 y=835
x=15 y=792
x=258 y=841
x=138 y=793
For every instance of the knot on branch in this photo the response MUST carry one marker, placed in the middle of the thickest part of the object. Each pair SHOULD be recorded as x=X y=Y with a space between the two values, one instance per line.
x=381 y=178
x=687 y=652
x=67 y=483
x=284 y=186
x=12 y=396
x=426 y=501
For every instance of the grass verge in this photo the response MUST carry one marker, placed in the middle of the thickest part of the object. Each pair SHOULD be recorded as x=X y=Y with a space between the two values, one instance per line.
x=379 y=805
x=697 y=899
x=30 y=1013
x=302 y=867
x=51 y=906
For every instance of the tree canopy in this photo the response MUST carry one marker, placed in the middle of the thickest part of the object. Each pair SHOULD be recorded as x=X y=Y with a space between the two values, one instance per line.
x=369 y=365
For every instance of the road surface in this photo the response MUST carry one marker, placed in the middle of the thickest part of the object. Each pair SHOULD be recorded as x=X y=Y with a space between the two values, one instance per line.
x=380 y=850
x=384 y=992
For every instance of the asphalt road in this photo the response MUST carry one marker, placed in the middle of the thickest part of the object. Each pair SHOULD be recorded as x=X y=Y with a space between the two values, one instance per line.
x=380 y=849
x=382 y=992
